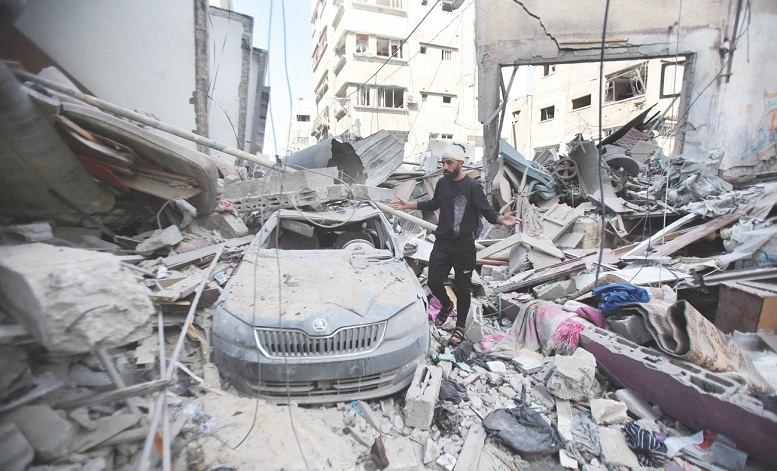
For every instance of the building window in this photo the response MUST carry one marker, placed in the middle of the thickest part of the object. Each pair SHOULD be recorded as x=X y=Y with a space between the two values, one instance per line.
x=581 y=102
x=548 y=69
x=389 y=3
x=671 y=79
x=446 y=136
x=423 y=96
x=547 y=113
x=446 y=99
x=447 y=6
x=447 y=54
x=423 y=49
x=626 y=84
x=362 y=43
x=389 y=48
x=434 y=135
x=516 y=114
x=390 y=97
x=363 y=96
x=303 y=117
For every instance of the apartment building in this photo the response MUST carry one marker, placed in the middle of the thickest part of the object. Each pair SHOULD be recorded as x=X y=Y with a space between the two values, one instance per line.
x=367 y=78
x=301 y=137
x=563 y=101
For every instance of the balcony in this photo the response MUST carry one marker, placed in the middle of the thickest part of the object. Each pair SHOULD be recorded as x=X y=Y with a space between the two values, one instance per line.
x=339 y=64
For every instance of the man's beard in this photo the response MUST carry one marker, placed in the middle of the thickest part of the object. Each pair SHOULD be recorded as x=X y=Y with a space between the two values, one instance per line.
x=451 y=175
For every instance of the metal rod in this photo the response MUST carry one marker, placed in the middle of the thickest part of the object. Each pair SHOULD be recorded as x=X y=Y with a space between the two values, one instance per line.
x=425 y=224
x=154 y=123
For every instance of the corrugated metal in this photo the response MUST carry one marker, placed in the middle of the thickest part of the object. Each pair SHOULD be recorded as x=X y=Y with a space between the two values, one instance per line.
x=381 y=153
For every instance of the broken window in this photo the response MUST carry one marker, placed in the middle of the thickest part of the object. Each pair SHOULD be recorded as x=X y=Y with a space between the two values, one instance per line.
x=626 y=84
x=548 y=69
x=363 y=96
x=304 y=235
x=581 y=102
x=303 y=117
x=390 y=97
x=547 y=113
x=423 y=49
x=447 y=54
x=362 y=43
x=671 y=79
x=446 y=99
x=389 y=48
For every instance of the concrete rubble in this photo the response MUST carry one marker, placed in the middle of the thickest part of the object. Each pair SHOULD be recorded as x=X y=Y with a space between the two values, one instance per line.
x=105 y=313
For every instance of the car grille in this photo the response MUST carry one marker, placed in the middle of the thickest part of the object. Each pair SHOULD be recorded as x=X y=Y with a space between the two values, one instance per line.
x=281 y=343
x=331 y=388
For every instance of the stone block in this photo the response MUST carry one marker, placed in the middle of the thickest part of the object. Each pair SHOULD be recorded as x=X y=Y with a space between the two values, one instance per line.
x=401 y=455
x=474 y=327
x=528 y=361
x=167 y=237
x=49 y=434
x=615 y=450
x=16 y=454
x=73 y=300
x=497 y=367
x=421 y=396
x=572 y=377
x=228 y=225
x=607 y=411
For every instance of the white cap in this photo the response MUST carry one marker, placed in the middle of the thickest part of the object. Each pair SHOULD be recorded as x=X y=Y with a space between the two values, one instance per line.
x=453 y=151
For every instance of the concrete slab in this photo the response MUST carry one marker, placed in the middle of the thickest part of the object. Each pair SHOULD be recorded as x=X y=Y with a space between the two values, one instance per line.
x=73 y=300
x=16 y=454
x=607 y=412
x=615 y=449
x=421 y=396
x=46 y=431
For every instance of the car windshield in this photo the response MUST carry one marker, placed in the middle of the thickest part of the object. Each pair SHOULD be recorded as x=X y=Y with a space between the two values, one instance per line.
x=370 y=235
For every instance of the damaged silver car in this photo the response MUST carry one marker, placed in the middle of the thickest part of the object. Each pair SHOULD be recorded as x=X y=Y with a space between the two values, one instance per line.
x=323 y=308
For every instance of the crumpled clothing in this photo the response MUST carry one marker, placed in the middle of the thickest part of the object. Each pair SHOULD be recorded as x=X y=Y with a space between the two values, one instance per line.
x=225 y=206
x=435 y=306
x=615 y=295
x=452 y=391
x=650 y=450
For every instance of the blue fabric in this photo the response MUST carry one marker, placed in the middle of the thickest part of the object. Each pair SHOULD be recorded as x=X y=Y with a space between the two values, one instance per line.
x=615 y=295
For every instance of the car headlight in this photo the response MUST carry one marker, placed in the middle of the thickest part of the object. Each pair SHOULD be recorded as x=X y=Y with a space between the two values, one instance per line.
x=408 y=319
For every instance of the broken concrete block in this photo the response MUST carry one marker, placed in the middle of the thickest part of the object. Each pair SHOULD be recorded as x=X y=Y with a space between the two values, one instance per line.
x=228 y=225
x=369 y=415
x=636 y=404
x=421 y=396
x=400 y=452
x=167 y=237
x=82 y=375
x=474 y=327
x=33 y=232
x=496 y=367
x=14 y=366
x=16 y=454
x=551 y=291
x=431 y=451
x=528 y=361
x=607 y=411
x=73 y=300
x=447 y=461
x=364 y=192
x=615 y=450
x=49 y=434
x=572 y=377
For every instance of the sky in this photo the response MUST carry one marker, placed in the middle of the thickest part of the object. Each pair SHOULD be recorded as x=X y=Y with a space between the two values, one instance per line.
x=298 y=50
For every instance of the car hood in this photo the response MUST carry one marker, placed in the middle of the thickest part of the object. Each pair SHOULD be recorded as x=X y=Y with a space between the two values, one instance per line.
x=338 y=286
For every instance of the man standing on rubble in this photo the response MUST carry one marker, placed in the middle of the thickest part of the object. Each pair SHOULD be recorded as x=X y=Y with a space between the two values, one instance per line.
x=460 y=200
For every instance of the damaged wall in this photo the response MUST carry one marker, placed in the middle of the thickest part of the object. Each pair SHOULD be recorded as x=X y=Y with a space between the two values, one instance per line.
x=536 y=32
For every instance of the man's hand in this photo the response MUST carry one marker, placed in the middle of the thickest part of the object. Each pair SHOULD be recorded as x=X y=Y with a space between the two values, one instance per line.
x=507 y=219
x=401 y=204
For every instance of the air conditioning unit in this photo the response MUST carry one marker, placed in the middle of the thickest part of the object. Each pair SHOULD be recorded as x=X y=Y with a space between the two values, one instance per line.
x=410 y=99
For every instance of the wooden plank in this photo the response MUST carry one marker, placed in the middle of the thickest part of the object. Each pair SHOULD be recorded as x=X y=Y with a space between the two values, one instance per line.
x=696 y=233
x=194 y=256
x=157 y=188
x=471 y=449
x=178 y=290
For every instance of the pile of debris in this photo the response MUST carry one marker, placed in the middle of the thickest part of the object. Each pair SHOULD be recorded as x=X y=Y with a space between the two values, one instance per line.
x=602 y=333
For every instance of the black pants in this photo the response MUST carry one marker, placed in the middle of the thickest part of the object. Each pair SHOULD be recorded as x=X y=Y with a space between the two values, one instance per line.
x=459 y=255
